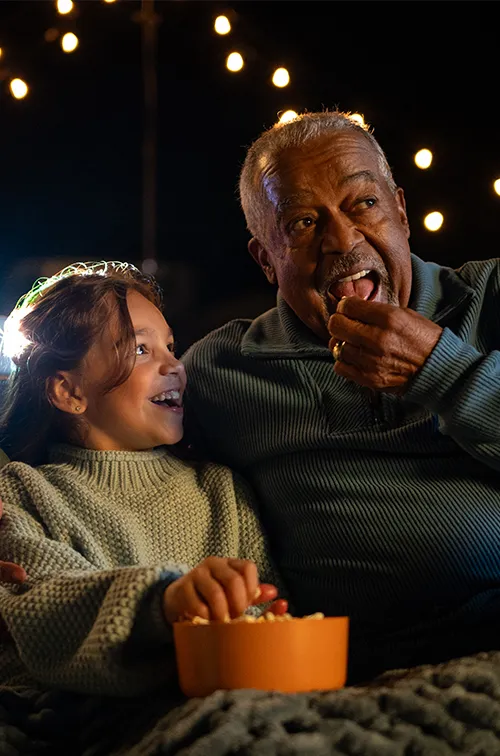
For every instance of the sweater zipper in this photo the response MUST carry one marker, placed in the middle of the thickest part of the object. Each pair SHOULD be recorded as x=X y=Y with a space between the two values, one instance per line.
x=376 y=406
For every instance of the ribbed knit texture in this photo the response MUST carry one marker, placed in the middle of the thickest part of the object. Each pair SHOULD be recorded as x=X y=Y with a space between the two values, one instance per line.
x=101 y=534
x=382 y=508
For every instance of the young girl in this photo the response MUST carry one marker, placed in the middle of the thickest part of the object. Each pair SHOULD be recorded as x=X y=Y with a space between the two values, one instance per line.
x=107 y=523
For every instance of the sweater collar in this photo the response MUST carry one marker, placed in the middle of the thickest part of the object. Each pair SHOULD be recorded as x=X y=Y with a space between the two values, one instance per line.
x=119 y=470
x=437 y=294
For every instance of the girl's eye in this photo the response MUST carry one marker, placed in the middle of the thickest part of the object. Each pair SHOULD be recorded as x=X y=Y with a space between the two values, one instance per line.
x=140 y=350
x=302 y=223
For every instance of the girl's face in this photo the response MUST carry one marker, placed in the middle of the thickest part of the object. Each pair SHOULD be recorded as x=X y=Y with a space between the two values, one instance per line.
x=145 y=411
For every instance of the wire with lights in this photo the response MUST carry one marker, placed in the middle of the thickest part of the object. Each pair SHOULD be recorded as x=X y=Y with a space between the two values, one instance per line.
x=235 y=62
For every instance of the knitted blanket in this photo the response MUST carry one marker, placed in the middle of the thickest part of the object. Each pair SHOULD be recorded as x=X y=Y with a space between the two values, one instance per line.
x=450 y=708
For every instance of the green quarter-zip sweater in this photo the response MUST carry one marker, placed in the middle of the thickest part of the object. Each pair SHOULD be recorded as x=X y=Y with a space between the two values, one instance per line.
x=383 y=508
x=101 y=535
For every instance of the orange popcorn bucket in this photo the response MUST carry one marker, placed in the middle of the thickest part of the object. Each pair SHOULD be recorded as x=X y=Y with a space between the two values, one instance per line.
x=296 y=655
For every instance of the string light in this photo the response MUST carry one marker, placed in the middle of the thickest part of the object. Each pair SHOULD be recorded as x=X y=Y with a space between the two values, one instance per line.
x=234 y=62
x=423 y=159
x=496 y=186
x=222 y=25
x=69 y=42
x=64 y=6
x=433 y=221
x=110 y=1
x=288 y=115
x=281 y=77
x=358 y=118
x=18 y=88
x=1 y=52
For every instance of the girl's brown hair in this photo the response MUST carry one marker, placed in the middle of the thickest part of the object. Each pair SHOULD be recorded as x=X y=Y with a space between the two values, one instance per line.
x=64 y=317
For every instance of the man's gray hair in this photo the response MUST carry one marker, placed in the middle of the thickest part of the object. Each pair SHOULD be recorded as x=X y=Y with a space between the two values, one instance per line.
x=295 y=133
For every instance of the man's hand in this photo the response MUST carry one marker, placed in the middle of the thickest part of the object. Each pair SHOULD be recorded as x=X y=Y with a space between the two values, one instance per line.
x=10 y=572
x=385 y=346
x=217 y=589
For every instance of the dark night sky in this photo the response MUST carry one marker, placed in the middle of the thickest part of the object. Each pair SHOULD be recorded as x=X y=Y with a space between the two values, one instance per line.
x=422 y=73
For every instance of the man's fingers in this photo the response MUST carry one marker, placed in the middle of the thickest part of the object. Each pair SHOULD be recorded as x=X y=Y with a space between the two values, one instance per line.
x=12 y=573
x=360 y=335
x=371 y=313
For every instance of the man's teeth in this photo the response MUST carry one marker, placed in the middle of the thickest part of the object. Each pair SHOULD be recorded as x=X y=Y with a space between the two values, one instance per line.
x=361 y=274
x=166 y=396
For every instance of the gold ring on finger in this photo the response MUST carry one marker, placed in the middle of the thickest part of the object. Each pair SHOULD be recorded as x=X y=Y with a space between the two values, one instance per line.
x=337 y=350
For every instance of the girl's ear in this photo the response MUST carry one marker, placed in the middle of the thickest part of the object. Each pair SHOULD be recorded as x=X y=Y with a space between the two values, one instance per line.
x=65 y=393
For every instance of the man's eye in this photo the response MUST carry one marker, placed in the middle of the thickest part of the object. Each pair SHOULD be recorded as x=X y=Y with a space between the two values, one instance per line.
x=140 y=350
x=302 y=223
x=172 y=347
x=367 y=202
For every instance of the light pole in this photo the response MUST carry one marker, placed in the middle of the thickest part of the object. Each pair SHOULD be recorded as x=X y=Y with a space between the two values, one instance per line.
x=149 y=20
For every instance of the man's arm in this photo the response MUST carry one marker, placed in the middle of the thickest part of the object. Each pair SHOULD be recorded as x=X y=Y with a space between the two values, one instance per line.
x=397 y=350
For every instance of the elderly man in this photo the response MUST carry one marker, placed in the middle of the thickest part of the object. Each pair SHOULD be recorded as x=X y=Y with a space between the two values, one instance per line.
x=365 y=407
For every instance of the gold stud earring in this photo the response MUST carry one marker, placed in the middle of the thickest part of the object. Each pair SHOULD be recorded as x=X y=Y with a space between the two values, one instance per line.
x=77 y=408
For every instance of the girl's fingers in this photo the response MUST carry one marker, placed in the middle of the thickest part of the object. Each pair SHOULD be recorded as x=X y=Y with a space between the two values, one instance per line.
x=192 y=602
x=208 y=585
x=248 y=570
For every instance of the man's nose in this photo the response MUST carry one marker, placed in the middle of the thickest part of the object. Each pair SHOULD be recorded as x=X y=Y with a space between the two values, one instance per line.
x=341 y=235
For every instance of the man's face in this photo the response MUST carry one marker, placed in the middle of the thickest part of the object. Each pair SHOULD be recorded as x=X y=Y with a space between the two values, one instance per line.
x=332 y=216
x=146 y=410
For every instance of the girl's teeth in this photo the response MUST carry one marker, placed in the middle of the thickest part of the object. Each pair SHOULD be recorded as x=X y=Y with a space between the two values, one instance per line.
x=355 y=277
x=166 y=395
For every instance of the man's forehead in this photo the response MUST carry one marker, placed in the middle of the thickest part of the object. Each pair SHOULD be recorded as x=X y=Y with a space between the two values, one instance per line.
x=337 y=160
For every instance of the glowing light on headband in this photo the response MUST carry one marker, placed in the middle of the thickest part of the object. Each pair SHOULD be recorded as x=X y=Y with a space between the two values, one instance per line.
x=14 y=342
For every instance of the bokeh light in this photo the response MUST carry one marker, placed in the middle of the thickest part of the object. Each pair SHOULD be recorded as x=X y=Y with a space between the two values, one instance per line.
x=358 y=118
x=423 y=158
x=69 y=42
x=288 y=115
x=1 y=52
x=433 y=221
x=496 y=185
x=222 y=25
x=150 y=266
x=51 y=35
x=110 y=1
x=18 y=88
x=234 y=62
x=64 y=6
x=281 y=77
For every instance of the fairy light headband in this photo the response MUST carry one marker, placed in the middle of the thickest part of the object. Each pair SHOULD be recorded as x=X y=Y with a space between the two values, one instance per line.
x=14 y=342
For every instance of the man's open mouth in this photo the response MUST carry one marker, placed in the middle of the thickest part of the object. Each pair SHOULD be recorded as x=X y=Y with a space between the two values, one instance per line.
x=170 y=399
x=363 y=284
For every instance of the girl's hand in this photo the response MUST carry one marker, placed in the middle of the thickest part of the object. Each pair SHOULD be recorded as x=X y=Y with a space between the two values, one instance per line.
x=215 y=590
x=10 y=572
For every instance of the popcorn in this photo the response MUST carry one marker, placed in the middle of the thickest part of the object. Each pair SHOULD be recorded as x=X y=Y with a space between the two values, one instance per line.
x=250 y=619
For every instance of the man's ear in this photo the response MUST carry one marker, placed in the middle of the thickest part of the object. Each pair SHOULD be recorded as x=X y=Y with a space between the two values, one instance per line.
x=65 y=393
x=401 y=205
x=261 y=257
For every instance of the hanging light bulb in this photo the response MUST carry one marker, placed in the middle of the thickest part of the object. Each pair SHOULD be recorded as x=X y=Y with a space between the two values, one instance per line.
x=69 y=42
